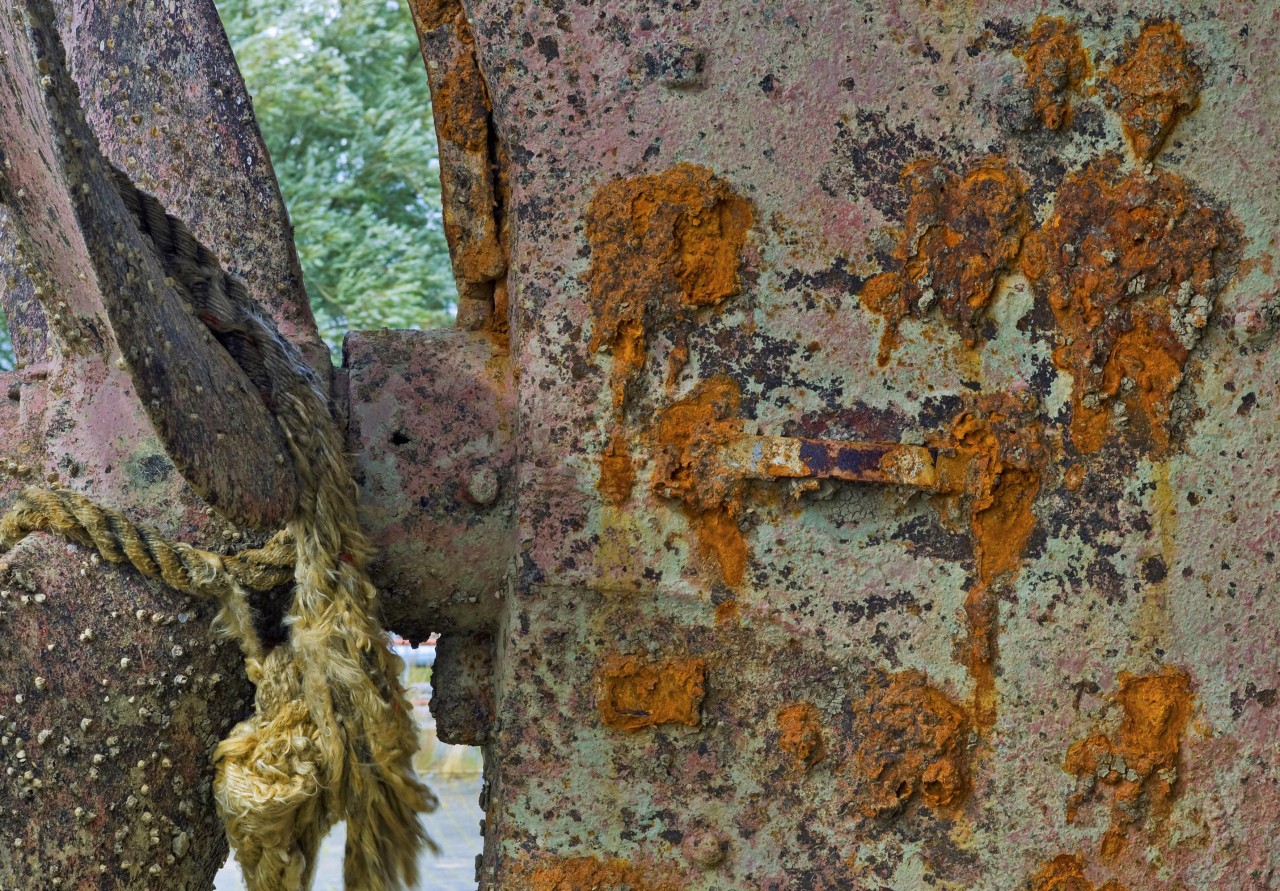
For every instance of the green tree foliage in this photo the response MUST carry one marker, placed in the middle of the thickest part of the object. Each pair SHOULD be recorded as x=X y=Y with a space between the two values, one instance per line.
x=6 y=348
x=341 y=96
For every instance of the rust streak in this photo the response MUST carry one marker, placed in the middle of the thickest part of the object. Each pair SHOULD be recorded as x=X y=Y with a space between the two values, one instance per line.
x=688 y=437
x=993 y=468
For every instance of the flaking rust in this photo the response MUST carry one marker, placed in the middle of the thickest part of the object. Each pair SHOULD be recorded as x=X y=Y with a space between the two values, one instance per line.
x=913 y=745
x=1139 y=762
x=687 y=438
x=962 y=233
x=1132 y=264
x=1056 y=66
x=662 y=247
x=800 y=734
x=471 y=168
x=1066 y=872
x=582 y=873
x=1154 y=87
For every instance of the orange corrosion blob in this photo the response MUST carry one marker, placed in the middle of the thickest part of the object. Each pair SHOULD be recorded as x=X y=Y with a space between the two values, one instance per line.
x=634 y=693
x=687 y=437
x=1154 y=87
x=912 y=742
x=1131 y=265
x=592 y=874
x=1066 y=873
x=1139 y=762
x=801 y=734
x=1056 y=63
x=661 y=246
x=962 y=233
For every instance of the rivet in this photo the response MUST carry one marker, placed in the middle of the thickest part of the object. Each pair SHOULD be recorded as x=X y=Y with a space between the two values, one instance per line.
x=482 y=487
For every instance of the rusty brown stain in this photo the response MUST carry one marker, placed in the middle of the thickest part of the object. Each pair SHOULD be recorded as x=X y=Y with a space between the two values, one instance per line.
x=686 y=437
x=662 y=245
x=595 y=874
x=962 y=233
x=1155 y=86
x=992 y=466
x=459 y=100
x=912 y=743
x=728 y=612
x=431 y=14
x=634 y=693
x=800 y=728
x=1131 y=264
x=1066 y=873
x=1056 y=64
x=617 y=471
x=1139 y=762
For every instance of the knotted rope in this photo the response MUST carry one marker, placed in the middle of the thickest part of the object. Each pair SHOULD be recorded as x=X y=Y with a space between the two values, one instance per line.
x=332 y=736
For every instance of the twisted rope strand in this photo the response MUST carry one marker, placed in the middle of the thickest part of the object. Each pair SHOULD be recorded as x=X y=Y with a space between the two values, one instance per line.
x=332 y=736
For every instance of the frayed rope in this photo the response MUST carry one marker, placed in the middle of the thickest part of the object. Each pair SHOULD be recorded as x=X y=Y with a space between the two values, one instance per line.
x=332 y=736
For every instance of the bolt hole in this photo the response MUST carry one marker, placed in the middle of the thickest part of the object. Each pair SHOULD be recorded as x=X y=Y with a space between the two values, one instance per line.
x=399 y=438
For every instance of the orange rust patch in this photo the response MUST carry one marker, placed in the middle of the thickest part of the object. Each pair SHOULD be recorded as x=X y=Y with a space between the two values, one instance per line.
x=1139 y=762
x=1056 y=63
x=592 y=874
x=801 y=737
x=728 y=612
x=617 y=471
x=912 y=742
x=962 y=233
x=1131 y=265
x=459 y=100
x=1154 y=87
x=1066 y=873
x=634 y=693
x=661 y=246
x=992 y=467
x=687 y=436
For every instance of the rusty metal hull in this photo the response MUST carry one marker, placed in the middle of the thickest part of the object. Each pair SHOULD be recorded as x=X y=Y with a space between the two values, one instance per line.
x=1075 y=657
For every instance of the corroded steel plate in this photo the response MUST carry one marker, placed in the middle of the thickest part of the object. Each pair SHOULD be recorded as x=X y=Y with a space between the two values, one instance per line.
x=1037 y=239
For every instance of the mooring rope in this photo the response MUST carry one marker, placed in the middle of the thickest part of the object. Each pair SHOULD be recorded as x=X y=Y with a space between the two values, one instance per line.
x=332 y=736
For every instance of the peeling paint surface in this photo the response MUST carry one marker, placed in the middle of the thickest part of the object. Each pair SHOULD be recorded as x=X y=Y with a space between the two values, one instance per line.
x=1083 y=532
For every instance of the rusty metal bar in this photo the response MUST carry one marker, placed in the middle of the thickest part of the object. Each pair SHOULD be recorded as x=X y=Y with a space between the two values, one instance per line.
x=784 y=457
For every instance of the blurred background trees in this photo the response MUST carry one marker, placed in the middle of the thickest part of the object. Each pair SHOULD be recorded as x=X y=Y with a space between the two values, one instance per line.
x=341 y=97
